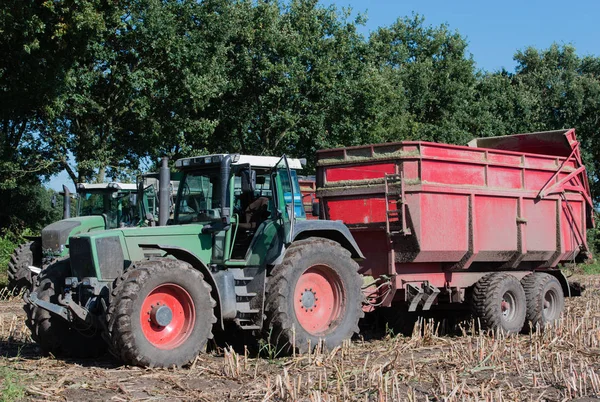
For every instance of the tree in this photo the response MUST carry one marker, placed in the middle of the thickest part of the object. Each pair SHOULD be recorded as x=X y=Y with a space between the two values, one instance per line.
x=437 y=79
x=39 y=43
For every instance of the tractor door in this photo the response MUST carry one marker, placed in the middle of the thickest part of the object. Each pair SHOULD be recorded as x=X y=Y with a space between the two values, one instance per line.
x=284 y=197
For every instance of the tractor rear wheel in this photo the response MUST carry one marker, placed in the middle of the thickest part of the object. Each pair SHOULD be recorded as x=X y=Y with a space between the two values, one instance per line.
x=19 y=274
x=53 y=333
x=499 y=303
x=162 y=314
x=545 y=299
x=314 y=294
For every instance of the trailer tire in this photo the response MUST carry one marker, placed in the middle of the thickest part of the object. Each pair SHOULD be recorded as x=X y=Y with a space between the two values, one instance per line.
x=545 y=300
x=499 y=303
x=52 y=333
x=295 y=316
x=185 y=306
x=19 y=274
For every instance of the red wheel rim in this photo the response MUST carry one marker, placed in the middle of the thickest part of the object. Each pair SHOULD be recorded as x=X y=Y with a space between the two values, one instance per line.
x=318 y=299
x=183 y=315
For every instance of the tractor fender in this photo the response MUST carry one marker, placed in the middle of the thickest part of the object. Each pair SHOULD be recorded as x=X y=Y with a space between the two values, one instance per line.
x=332 y=230
x=219 y=281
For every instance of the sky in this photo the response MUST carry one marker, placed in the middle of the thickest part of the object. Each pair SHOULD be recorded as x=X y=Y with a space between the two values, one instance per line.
x=494 y=30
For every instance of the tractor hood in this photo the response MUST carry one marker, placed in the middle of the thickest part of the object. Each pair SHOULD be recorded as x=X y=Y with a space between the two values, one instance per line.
x=56 y=235
x=105 y=254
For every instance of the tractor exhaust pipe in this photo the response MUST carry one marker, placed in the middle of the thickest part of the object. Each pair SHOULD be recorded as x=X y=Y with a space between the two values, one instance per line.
x=66 y=202
x=164 y=190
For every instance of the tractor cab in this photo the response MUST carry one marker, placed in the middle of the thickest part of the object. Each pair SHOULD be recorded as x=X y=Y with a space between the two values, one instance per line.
x=116 y=202
x=238 y=192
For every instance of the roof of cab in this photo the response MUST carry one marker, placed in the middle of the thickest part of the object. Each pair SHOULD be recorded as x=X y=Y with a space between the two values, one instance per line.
x=255 y=161
x=107 y=186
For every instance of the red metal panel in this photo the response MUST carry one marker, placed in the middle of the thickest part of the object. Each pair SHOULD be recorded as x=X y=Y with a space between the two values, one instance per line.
x=361 y=210
x=496 y=226
x=570 y=240
x=453 y=173
x=462 y=154
x=503 y=177
x=540 y=229
x=504 y=158
x=362 y=172
x=535 y=179
x=375 y=246
x=444 y=226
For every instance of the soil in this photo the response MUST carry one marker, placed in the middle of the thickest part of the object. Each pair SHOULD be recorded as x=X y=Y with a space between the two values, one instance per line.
x=561 y=362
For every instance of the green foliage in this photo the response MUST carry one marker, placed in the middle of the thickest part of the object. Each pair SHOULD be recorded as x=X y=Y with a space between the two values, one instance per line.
x=12 y=388
x=28 y=206
x=7 y=246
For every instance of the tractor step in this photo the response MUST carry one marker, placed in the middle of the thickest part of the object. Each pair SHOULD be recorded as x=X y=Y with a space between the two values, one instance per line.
x=246 y=324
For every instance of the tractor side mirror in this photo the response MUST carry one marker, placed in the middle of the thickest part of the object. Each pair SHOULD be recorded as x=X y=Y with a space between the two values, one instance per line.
x=248 y=180
x=53 y=201
x=315 y=208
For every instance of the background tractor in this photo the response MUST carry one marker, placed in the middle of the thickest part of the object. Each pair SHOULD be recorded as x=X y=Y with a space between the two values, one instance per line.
x=238 y=249
x=98 y=207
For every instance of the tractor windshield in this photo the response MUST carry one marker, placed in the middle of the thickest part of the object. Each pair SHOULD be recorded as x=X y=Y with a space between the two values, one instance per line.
x=199 y=198
x=117 y=207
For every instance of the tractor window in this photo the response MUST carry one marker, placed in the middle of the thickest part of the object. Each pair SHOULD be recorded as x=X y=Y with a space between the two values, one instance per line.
x=298 y=205
x=96 y=203
x=199 y=197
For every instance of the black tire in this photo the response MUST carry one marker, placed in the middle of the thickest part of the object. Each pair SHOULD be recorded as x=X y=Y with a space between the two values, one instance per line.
x=545 y=299
x=19 y=274
x=499 y=304
x=282 y=320
x=127 y=331
x=54 y=334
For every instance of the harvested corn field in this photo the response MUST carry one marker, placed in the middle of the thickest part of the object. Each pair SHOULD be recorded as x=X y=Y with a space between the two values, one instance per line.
x=561 y=363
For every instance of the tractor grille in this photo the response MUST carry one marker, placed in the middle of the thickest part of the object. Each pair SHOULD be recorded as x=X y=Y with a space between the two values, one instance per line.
x=110 y=257
x=82 y=262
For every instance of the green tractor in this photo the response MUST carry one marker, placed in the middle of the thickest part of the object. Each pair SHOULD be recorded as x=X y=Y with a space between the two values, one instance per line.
x=99 y=207
x=238 y=251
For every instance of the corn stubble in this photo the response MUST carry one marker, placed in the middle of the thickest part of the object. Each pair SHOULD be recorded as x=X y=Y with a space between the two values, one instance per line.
x=556 y=363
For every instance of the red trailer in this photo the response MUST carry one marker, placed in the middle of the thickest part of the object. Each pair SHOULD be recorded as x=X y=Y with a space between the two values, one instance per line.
x=486 y=224
x=308 y=188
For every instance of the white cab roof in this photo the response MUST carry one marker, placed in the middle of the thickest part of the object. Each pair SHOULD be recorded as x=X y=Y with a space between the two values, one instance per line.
x=107 y=186
x=266 y=161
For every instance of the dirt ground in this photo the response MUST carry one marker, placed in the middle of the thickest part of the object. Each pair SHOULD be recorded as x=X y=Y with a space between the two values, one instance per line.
x=559 y=364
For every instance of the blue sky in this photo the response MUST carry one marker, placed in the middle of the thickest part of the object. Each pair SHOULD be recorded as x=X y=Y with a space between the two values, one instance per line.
x=494 y=30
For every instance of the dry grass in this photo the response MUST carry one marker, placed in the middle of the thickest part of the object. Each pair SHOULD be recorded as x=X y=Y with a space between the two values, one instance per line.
x=562 y=362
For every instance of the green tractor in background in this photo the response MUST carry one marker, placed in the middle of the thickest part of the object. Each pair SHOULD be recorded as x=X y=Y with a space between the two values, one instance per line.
x=238 y=251
x=99 y=207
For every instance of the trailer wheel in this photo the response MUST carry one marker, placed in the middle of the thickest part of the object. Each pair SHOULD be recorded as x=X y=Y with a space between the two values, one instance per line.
x=53 y=333
x=314 y=294
x=19 y=274
x=545 y=299
x=499 y=303
x=162 y=315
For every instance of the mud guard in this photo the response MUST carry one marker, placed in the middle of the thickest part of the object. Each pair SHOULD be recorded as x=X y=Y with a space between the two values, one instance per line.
x=332 y=230
x=213 y=279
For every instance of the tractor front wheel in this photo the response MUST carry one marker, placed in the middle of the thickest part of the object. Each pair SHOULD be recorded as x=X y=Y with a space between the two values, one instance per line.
x=314 y=294
x=19 y=274
x=53 y=333
x=161 y=314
